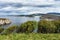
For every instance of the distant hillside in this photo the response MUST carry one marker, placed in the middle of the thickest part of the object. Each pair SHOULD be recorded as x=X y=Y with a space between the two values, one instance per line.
x=37 y=14
x=31 y=15
x=54 y=13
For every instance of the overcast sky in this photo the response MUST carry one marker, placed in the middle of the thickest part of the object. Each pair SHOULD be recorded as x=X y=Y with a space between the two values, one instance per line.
x=31 y=1
x=31 y=10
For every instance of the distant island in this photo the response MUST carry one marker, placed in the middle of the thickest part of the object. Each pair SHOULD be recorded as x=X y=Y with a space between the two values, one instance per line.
x=54 y=13
x=36 y=14
x=30 y=15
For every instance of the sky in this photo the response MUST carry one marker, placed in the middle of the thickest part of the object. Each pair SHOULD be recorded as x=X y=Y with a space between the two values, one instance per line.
x=28 y=6
x=30 y=1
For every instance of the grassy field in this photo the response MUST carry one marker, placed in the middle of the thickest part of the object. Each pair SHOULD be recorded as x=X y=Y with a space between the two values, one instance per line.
x=31 y=36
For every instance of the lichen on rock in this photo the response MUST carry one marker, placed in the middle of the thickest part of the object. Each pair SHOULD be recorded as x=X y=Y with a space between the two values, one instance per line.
x=4 y=21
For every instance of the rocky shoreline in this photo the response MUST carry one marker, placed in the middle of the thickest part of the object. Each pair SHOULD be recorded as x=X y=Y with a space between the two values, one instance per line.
x=4 y=21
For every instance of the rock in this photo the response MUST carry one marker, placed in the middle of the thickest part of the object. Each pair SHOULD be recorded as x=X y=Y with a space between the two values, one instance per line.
x=4 y=21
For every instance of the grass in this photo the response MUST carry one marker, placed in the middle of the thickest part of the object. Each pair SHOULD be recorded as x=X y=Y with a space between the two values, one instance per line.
x=31 y=36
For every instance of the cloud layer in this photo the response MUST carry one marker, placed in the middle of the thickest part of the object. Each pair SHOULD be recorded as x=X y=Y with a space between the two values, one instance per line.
x=30 y=1
x=24 y=7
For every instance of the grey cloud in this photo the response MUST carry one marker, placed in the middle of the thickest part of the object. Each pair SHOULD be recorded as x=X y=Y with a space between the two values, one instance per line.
x=18 y=5
x=56 y=0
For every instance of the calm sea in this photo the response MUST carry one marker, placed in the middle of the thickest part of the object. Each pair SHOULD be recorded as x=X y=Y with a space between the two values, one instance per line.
x=18 y=20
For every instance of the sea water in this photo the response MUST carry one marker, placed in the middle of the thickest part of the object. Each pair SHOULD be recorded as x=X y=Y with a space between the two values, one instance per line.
x=17 y=20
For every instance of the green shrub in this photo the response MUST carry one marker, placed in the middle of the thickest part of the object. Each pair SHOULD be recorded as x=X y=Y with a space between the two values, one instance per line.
x=1 y=30
x=27 y=27
x=46 y=26
x=57 y=24
x=10 y=29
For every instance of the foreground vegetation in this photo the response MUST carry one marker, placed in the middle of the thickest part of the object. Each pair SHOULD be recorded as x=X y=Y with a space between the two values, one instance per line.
x=30 y=36
x=46 y=30
x=42 y=26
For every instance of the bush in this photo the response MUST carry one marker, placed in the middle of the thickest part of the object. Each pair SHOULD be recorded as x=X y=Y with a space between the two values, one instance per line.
x=57 y=24
x=10 y=29
x=46 y=27
x=1 y=30
x=27 y=27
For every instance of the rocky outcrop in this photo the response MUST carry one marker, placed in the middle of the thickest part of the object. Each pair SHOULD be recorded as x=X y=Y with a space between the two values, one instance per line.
x=50 y=17
x=4 y=21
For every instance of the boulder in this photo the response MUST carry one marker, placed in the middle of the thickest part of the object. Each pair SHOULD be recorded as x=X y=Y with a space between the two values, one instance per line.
x=4 y=21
